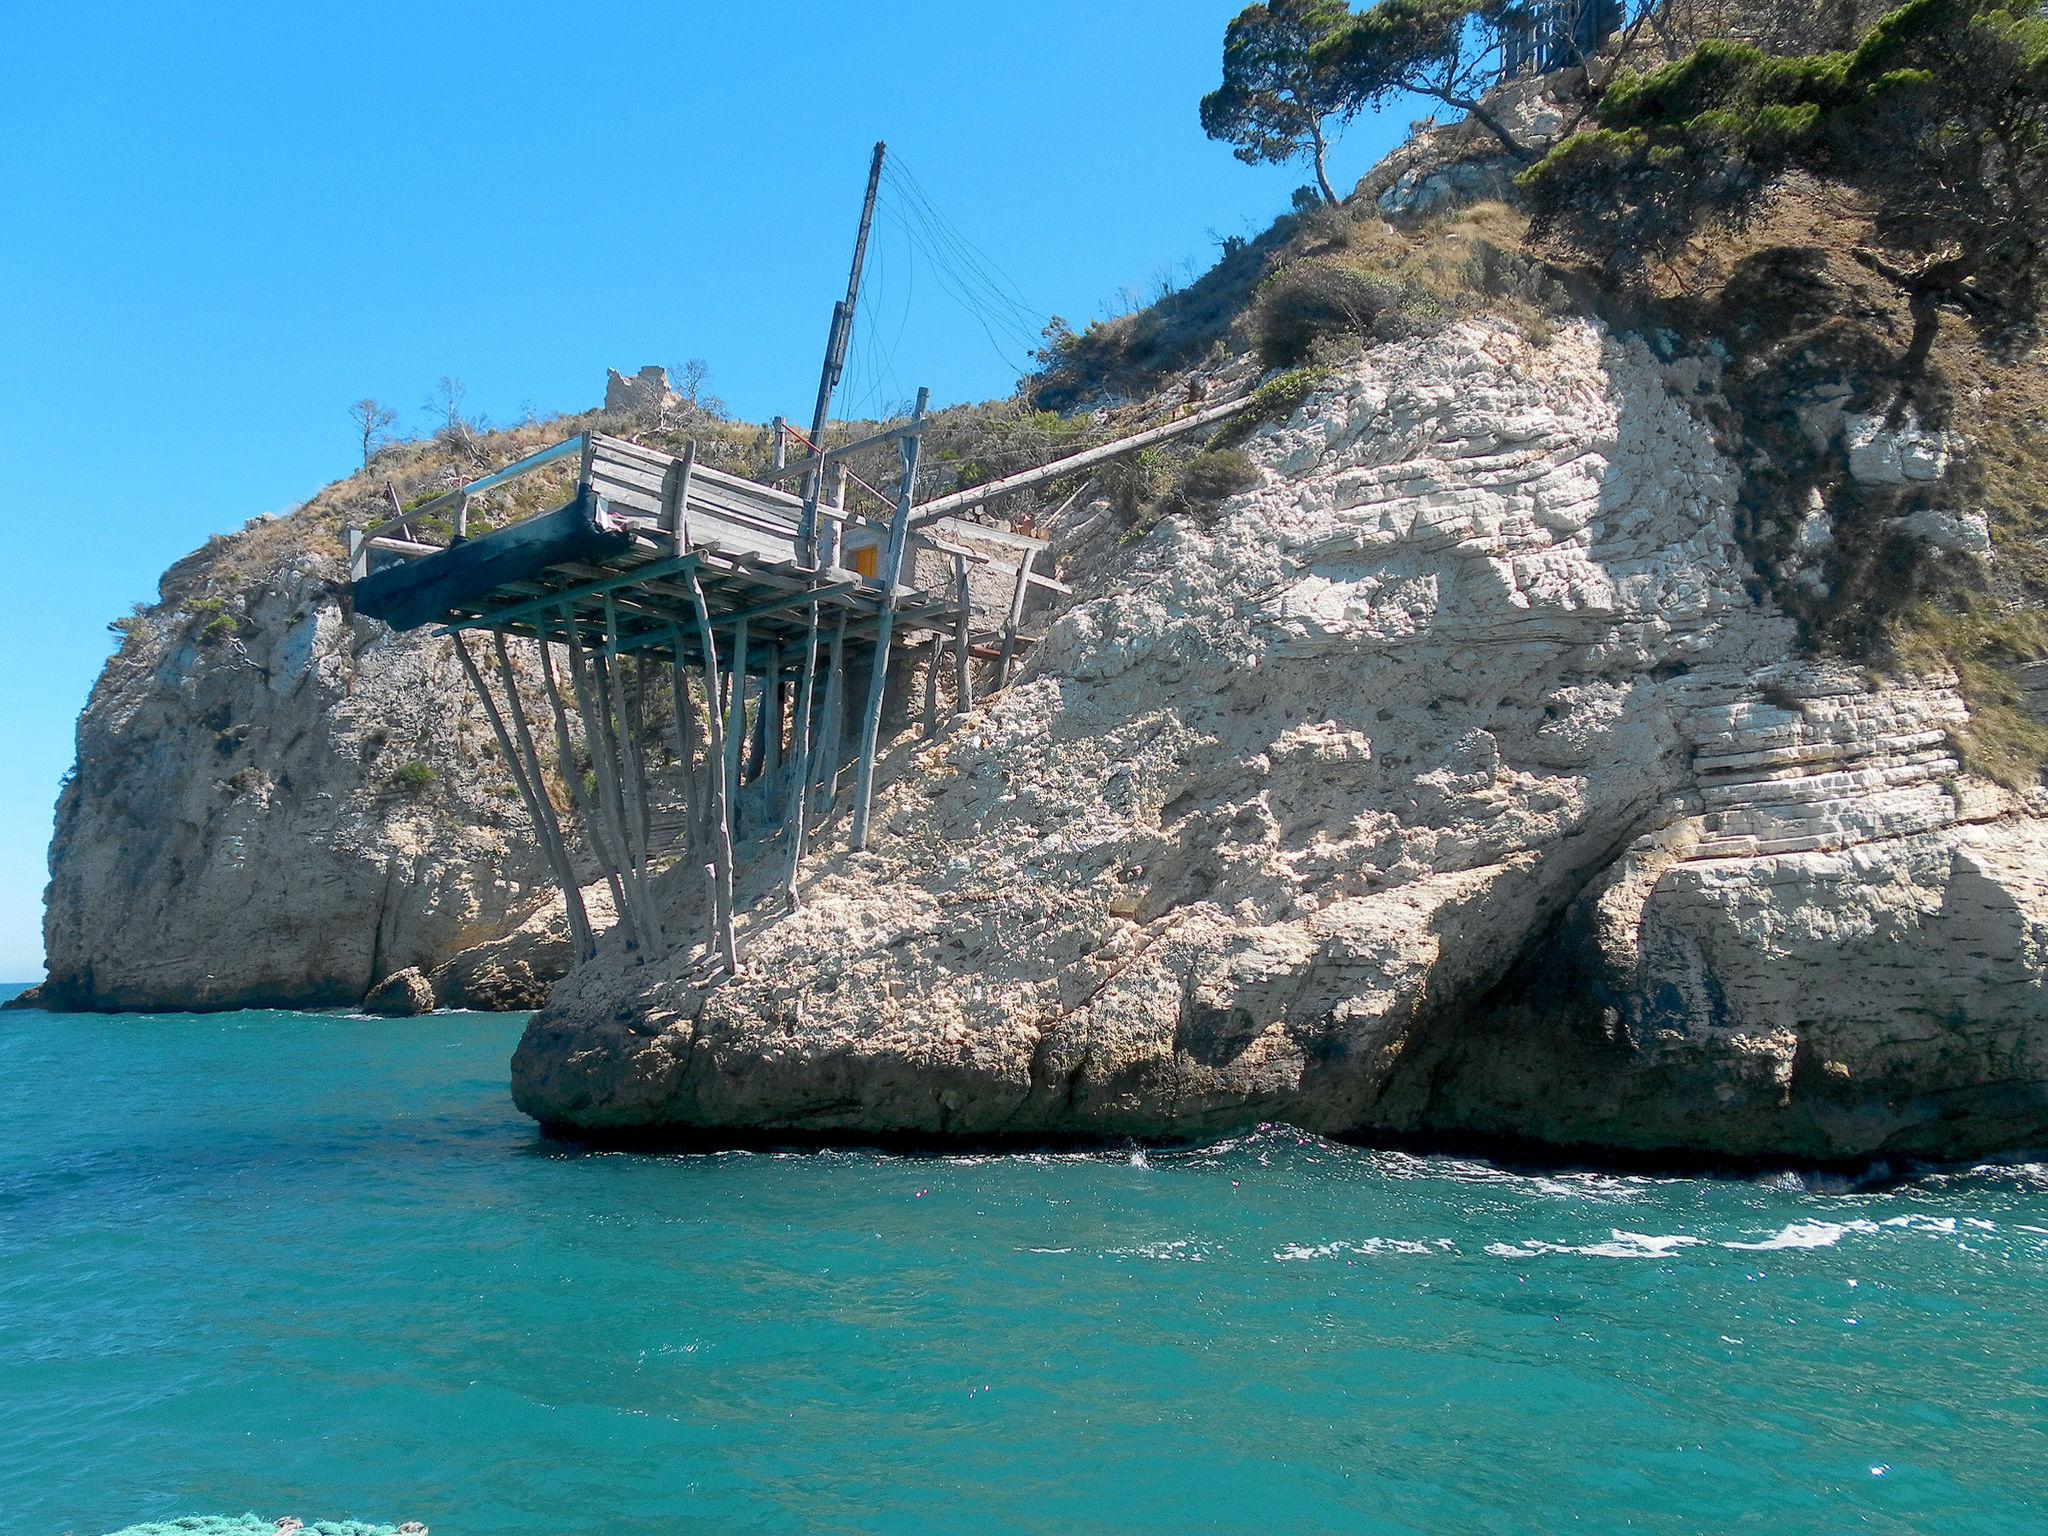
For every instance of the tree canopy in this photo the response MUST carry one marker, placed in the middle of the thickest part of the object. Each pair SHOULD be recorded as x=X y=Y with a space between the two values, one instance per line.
x=1278 y=92
x=1940 y=113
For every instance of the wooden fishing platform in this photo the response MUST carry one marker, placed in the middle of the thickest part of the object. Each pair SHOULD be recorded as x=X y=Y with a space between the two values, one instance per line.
x=753 y=612
x=614 y=561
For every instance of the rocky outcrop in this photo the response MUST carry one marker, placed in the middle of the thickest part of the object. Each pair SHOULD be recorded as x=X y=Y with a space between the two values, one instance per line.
x=401 y=995
x=1452 y=781
x=276 y=804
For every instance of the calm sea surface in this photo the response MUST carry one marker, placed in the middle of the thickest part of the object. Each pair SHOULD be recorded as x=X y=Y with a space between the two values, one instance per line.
x=304 y=1265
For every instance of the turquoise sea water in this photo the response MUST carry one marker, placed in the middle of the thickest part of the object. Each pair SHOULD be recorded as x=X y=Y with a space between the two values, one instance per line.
x=318 y=1266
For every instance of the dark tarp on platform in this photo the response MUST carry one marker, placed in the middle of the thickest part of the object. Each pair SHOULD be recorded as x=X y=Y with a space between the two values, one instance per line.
x=433 y=588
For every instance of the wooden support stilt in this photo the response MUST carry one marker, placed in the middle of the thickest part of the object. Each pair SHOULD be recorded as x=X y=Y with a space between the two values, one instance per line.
x=533 y=794
x=735 y=720
x=1016 y=617
x=683 y=722
x=629 y=765
x=718 y=808
x=586 y=813
x=800 y=753
x=611 y=802
x=931 y=684
x=963 y=655
x=891 y=577
x=675 y=515
x=549 y=825
x=774 y=705
x=833 y=731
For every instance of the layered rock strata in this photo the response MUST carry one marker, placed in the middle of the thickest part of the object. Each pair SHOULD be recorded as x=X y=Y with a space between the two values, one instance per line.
x=1452 y=781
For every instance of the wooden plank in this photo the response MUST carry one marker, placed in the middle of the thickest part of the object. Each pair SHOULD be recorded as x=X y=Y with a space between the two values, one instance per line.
x=406 y=547
x=621 y=495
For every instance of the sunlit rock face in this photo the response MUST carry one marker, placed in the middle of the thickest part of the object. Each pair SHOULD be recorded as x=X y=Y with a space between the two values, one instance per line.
x=1449 y=782
x=278 y=805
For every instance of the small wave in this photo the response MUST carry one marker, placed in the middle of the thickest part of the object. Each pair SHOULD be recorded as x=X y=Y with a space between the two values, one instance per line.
x=1825 y=1234
x=1184 y=1249
x=1365 y=1248
x=1621 y=1245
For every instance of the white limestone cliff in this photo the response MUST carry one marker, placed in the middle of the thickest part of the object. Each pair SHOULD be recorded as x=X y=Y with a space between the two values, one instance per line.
x=275 y=805
x=1450 y=782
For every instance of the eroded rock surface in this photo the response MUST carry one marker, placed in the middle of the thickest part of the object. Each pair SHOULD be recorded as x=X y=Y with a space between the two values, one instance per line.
x=1450 y=781
x=276 y=805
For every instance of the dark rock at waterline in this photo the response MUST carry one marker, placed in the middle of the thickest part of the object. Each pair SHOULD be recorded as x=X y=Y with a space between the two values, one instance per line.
x=401 y=995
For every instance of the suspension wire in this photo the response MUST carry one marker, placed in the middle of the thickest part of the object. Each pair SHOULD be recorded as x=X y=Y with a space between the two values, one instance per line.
x=994 y=280
x=964 y=271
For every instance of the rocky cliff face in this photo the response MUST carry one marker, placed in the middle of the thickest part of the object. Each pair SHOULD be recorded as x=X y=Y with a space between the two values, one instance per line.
x=1452 y=781
x=277 y=805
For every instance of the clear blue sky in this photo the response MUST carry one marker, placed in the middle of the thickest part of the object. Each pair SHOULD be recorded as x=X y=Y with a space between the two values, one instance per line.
x=219 y=224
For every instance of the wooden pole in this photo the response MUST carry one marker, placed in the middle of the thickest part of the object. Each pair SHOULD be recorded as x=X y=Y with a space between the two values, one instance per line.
x=834 y=728
x=735 y=721
x=774 y=702
x=621 y=727
x=931 y=684
x=604 y=767
x=1015 y=618
x=572 y=893
x=963 y=659
x=565 y=752
x=533 y=794
x=1059 y=469
x=676 y=517
x=683 y=722
x=720 y=812
x=892 y=573
x=835 y=363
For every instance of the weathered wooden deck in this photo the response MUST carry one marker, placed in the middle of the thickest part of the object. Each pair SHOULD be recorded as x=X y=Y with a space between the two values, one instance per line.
x=614 y=563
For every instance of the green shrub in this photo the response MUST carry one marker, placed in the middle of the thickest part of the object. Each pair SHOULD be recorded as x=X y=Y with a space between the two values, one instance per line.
x=1209 y=479
x=415 y=777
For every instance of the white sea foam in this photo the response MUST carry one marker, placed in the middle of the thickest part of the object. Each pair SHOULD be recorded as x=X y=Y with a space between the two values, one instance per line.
x=1825 y=1234
x=1365 y=1247
x=1621 y=1245
x=1185 y=1249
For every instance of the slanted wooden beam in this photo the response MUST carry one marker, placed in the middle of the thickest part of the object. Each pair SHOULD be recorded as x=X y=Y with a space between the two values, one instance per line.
x=974 y=496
